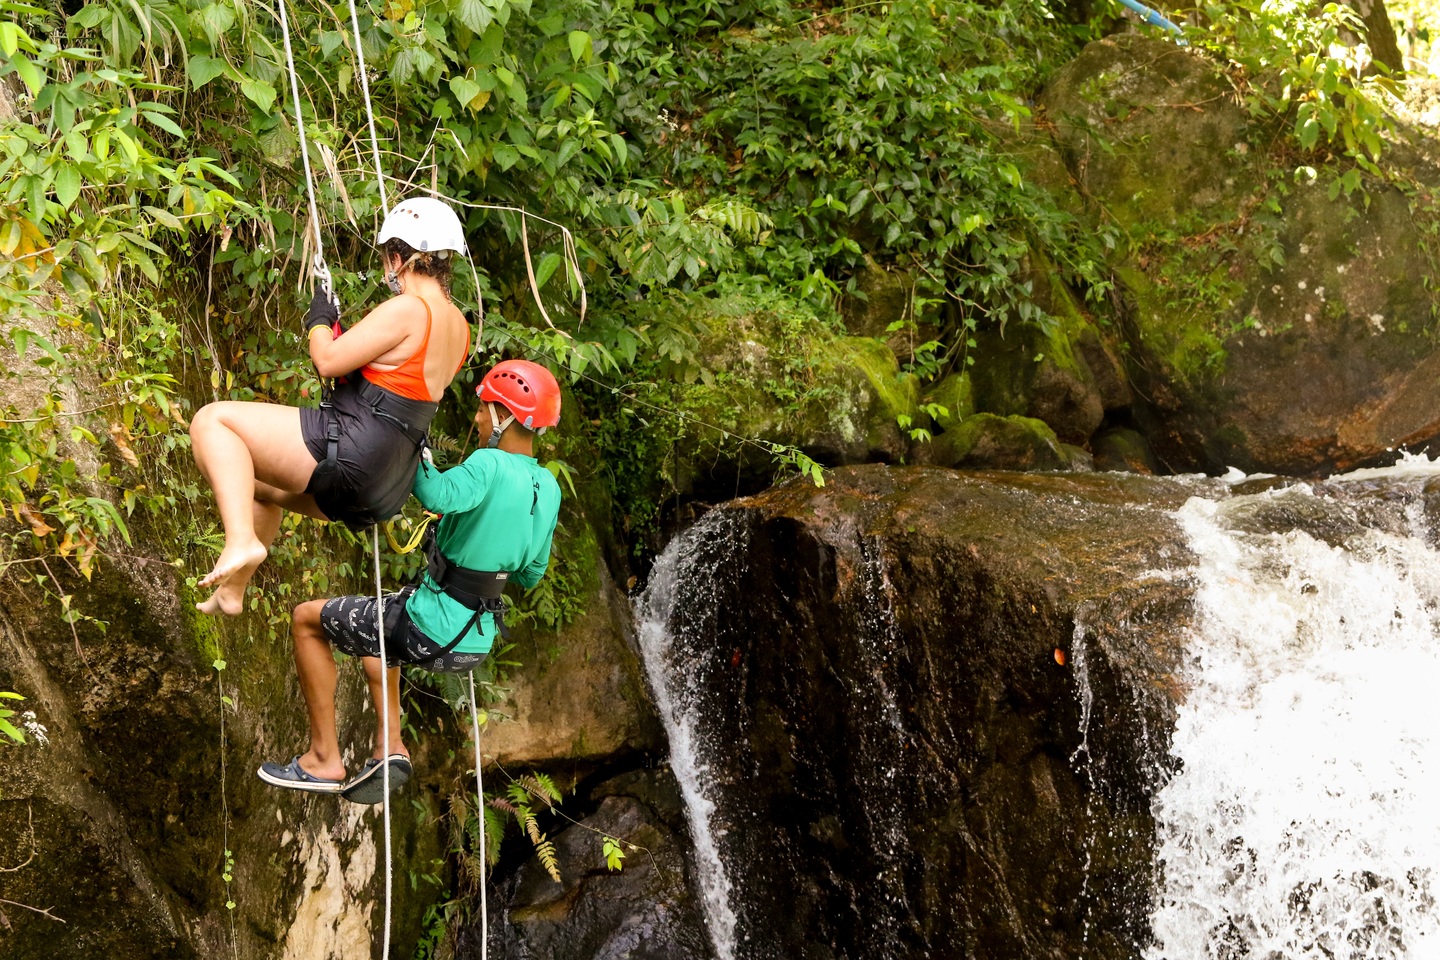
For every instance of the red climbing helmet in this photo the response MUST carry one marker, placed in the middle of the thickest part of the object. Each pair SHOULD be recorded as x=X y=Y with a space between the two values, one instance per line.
x=526 y=389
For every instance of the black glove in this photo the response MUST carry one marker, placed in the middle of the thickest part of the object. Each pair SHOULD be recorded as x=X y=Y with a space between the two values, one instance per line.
x=323 y=312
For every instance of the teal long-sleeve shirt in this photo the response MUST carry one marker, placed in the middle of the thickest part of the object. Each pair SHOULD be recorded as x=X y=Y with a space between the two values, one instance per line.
x=499 y=513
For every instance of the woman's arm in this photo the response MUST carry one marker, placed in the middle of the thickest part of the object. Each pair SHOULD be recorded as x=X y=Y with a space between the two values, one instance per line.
x=379 y=334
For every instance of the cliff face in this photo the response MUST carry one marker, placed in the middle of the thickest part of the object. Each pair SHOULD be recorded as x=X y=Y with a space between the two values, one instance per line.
x=145 y=795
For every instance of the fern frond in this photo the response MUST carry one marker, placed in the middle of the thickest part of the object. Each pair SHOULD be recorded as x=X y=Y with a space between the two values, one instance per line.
x=547 y=787
x=545 y=850
x=532 y=827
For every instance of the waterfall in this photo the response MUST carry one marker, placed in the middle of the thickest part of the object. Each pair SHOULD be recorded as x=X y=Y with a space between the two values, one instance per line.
x=670 y=615
x=1301 y=823
x=697 y=661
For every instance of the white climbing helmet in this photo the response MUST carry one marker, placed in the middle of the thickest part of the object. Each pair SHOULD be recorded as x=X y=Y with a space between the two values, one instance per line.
x=426 y=224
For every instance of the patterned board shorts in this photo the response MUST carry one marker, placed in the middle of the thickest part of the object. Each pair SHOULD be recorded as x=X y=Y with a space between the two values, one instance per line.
x=349 y=624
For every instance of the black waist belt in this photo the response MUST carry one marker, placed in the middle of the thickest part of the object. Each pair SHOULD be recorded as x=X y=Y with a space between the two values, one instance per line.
x=410 y=415
x=479 y=590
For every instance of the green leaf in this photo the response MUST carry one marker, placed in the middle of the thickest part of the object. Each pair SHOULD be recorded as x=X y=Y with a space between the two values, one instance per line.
x=218 y=664
x=582 y=49
x=164 y=123
x=469 y=93
x=259 y=93
x=202 y=70
x=164 y=217
x=67 y=184
x=10 y=38
x=11 y=731
x=474 y=14
x=505 y=155
x=29 y=73
x=545 y=269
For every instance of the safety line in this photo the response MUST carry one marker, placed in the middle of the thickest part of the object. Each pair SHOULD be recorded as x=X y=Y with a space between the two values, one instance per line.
x=480 y=819
x=384 y=726
x=304 y=150
x=369 y=110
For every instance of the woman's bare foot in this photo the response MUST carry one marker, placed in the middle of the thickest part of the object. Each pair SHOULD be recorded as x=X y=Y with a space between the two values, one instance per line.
x=230 y=577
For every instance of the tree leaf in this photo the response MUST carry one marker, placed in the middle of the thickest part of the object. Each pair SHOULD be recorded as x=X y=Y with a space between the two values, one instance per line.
x=259 y=93
x=67 y=184
x=545 y=269
x=581 y=47
x=505 y=155
x=474 y=14
x=202 y=70
x=28 y=72
x=164 y=123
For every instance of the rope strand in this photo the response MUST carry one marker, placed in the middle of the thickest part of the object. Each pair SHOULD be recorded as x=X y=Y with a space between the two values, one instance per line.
x=480 y=817
x=384 y=727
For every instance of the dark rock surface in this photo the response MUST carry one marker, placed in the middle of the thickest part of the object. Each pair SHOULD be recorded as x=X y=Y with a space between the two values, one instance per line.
x=902 y=763
x=643 y=912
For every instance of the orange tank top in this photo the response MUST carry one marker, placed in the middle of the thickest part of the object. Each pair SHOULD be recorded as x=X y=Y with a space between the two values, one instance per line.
x=408 y=379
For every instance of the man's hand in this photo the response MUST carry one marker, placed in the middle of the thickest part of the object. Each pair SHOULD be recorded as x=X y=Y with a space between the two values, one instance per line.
x=323 y=312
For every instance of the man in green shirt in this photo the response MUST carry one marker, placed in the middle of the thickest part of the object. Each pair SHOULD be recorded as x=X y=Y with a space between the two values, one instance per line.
x=499 y=511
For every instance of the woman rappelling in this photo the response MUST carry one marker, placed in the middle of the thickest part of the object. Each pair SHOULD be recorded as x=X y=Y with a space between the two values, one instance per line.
x=353 y=459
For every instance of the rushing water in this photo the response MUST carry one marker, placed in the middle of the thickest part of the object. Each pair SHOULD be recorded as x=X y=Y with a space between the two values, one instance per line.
x=670 y=613
x=1302 y=823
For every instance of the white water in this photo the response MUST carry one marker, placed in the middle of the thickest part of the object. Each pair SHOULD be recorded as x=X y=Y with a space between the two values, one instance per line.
x=1304 y=823
x=678 y=684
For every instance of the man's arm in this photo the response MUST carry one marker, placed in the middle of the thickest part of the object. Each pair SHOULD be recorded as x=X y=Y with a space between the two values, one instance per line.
x=457 y=489
x=538 y=564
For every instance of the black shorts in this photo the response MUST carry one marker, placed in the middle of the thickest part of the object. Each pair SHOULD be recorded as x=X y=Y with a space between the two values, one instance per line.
x=349 y=624
x=377 y=450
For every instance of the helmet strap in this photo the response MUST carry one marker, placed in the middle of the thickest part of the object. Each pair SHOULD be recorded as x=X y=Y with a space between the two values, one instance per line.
x=497 y=426
x=392 y=277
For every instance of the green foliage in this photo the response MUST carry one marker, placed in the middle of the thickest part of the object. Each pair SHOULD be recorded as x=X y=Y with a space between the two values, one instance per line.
x=8 y=729
x=1303 y=71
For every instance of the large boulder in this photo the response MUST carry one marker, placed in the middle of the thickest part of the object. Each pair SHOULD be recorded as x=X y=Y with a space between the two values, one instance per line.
x=1271 y=326
x=146 y=788
x=880 y=692
x=778 y=374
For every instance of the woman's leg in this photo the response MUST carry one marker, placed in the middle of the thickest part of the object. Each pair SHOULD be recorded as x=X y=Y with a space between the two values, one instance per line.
x=235 y=445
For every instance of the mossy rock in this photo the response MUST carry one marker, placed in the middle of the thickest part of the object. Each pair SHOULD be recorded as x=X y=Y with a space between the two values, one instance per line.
x=1125 y=451
x=986 y=441
x=1151 y=131
x=1064 y=373
x=777 y=374
x=956 y=394
x=1270 y=325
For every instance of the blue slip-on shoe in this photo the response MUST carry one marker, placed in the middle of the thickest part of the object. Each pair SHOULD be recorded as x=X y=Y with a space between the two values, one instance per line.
x=292 y=776
x=368 y=786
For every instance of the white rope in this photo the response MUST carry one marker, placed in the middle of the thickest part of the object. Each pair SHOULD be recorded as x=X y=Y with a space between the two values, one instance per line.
x=480 y=818
x=369 y=110
x=384 y=727
x=322 y=272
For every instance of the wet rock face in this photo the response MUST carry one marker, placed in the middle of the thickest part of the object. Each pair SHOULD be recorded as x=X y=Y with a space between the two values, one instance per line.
x=901 y=765
x=1290 y=339
x=643 y=912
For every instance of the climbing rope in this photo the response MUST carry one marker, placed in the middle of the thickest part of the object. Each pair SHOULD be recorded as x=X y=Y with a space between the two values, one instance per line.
x=480 y=820
x=321 y=271
x=384 y=728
